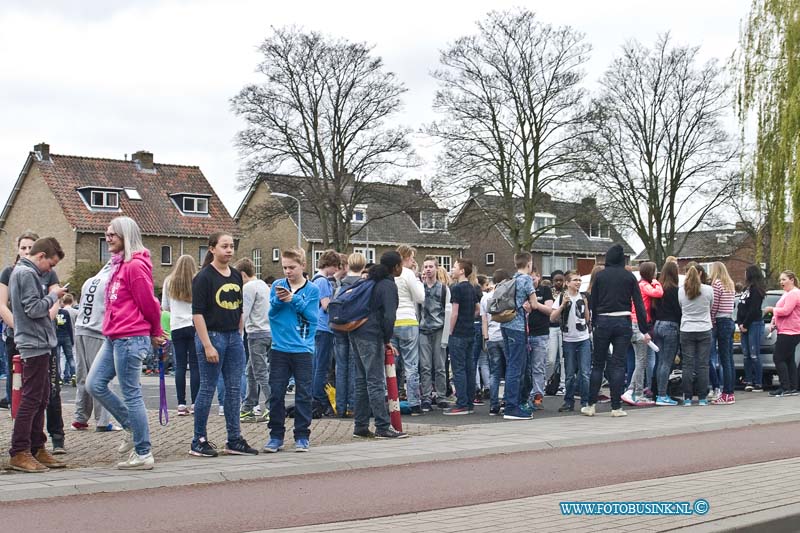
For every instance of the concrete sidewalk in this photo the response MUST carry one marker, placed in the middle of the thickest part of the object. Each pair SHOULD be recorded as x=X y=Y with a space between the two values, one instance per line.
x=469 y=441
x=744 y=496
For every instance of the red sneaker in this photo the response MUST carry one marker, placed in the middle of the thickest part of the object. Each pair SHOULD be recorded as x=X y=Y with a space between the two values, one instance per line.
x=80 y=426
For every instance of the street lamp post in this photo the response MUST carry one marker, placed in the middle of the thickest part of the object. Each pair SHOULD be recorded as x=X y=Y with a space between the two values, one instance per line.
x=299 y=216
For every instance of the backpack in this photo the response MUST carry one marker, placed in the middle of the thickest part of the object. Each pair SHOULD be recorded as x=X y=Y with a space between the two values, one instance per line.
x=503 y=303
x=350 y=308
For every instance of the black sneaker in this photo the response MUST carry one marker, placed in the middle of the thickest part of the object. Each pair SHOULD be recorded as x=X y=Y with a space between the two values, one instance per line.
x=203 y=448
x=793 y=392
x=494 y=411
x=426 y=407
x=478 y=400
x=239 y=447
x=566 y=408
x=416 y=411
x=363 y=434
x=777 y=393
x=442 y=404
x=4 y=403
x=390 y=433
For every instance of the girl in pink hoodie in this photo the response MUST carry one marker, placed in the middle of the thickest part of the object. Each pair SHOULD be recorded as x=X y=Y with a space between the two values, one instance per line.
x=132 y=326
x=786 y=318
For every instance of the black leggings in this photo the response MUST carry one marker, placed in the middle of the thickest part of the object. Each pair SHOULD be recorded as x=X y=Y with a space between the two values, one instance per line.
x=783 y=357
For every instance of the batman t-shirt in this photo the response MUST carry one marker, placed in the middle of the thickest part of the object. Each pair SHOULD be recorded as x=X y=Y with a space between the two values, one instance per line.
x=218 y=298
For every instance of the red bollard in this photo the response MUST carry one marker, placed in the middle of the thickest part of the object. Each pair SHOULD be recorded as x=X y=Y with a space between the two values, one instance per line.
x=391 y=389
x=16 y=385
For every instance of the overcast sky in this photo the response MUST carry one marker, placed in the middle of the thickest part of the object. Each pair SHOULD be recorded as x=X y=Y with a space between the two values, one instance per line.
x=105 y=78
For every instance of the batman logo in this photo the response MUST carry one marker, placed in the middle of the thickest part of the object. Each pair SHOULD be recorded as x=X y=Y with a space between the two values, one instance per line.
x=229 y=296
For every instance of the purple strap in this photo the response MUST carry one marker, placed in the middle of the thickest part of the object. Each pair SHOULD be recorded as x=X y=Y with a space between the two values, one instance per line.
x=163 y=409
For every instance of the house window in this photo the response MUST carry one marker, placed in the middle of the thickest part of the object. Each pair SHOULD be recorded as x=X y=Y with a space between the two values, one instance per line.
x=166 y=255
x=444 y=262
x=257 y=261
x=489 y=258
x=106 y=199
x=558 y=262
x=276 y=255
x=432 y=221
x=192 y=204
x=369 y=253
x=203 y=251
x=132 y=193
x=105 y=255
x=599 y=231
x=544 y=220
x=317 y=256
x=359 y=214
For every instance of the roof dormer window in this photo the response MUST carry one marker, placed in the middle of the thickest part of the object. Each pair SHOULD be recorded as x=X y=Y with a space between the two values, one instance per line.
x=195 y=205
x=359 y=214
x=432 y=221
x=100 y=198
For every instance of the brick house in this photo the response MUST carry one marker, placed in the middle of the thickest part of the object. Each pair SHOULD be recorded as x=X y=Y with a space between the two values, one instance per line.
x=732 y=246
x=579 y=238
x=379 y=225
x=73 y=199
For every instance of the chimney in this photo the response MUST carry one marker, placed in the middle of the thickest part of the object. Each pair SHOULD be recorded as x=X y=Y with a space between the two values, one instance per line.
x=415 y=184
x=475 y=190
x=144 y=159
x=589 y=201
x=42 y=151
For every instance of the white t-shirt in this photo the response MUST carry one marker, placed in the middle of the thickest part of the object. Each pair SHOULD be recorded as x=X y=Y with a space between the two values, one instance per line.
x=576 y=320
x=495 y=334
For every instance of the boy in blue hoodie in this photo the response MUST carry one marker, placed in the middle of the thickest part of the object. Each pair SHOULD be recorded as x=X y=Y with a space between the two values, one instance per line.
x=293 y=316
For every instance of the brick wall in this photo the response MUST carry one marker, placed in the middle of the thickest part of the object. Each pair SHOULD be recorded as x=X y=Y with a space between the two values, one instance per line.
x=483 y=241
x=36 y=208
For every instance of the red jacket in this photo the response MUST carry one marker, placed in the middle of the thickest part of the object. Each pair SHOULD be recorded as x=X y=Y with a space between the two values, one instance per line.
x=649 y=292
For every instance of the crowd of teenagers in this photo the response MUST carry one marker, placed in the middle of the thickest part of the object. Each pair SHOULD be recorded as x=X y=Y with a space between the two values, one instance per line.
x=457 y=337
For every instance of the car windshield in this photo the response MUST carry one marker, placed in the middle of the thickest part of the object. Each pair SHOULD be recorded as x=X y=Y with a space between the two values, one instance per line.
x=770 y=299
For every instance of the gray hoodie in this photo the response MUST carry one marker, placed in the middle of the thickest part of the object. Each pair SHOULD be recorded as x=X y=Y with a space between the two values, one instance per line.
x=34 y=330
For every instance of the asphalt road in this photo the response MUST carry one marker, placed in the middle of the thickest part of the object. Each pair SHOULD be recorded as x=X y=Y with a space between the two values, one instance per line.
x=365 y=493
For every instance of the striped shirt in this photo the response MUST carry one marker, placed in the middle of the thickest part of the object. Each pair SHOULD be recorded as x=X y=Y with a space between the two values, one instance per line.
x=723 y=302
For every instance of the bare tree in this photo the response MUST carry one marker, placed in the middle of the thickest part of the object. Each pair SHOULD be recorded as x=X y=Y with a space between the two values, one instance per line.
x=510 y=97
x=659 y=152
x=321 y=113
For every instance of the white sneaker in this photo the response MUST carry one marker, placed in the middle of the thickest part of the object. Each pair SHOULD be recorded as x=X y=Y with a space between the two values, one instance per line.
x=221 y=411
x=560 y=391
x=257 y=410
x=137 y=462
x=127 y=443
x=713 y=394
x=588 y=410
x=628 y=398
x=618 y=412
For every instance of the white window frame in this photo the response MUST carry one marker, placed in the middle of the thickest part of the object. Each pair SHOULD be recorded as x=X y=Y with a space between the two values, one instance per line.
x=167 y=246
x=549 y=220
x=317 y=256
x=196 y=209
x=105 y=202
x=203 y=252
x=276 y=255
x=103 y=247
x=431 y=215
x=256 y=254
x=445 y=261
x=558 y=262
x=369 y=253
x=599 y=231
x=486 y=258
x=361 y=208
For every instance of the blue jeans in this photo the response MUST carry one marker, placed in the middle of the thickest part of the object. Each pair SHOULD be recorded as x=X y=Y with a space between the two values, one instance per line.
x=123 y=358
x=724 y=340
x=577 y=364
x=714 y=369
x=666 y=337
x=323 y=349
x=497 y=358
x=370 y=394
x=345 y=373
x=463 y=369
x=751 y=353
x=230 y=348
x=480 y=359
x=516 y=348
x=614 y=331
x=539 y=350
x=406 y=340
x=65 y=343
x=282 y=366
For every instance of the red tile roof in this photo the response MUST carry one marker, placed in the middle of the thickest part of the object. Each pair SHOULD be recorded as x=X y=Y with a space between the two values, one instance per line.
x=155 y=213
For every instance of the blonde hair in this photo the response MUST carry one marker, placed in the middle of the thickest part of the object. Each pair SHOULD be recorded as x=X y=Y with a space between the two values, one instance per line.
x=719 y=272
x=179 y=281
x=406 y=251
x=692 y=283
x=356 y=262
x=442 y=276
x=298 y=255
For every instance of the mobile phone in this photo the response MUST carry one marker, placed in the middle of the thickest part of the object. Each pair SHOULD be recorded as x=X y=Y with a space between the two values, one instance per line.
x=65 y=286
x=279 y=288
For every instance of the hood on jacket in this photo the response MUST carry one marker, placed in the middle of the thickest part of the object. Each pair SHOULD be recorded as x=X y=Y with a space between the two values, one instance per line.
x=615 y=256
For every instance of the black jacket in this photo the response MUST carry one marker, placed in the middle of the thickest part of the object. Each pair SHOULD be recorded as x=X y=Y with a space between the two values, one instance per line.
x=749 y=309
x=667 y=308
x=383 y=310
x=615 y=288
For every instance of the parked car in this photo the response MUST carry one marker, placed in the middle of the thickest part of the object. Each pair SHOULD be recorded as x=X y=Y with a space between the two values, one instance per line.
x=767 y=341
